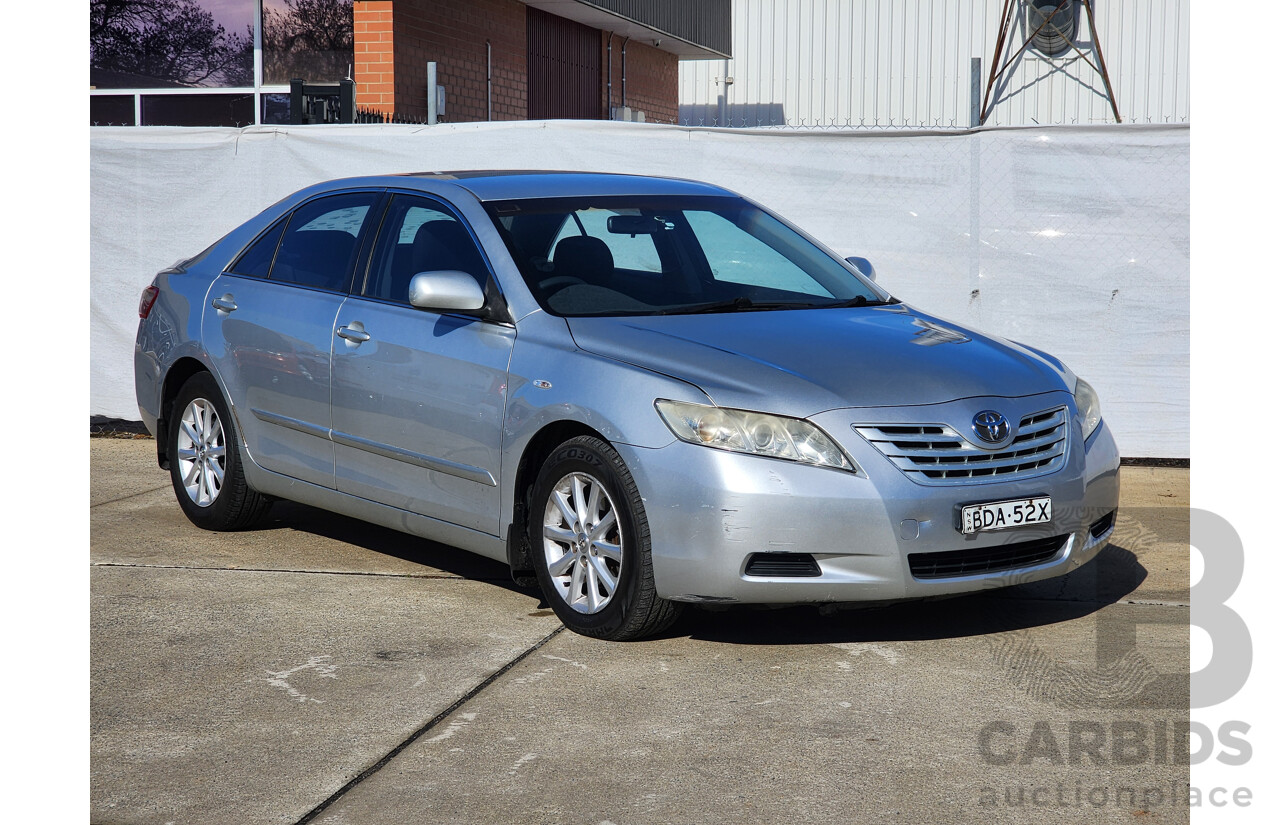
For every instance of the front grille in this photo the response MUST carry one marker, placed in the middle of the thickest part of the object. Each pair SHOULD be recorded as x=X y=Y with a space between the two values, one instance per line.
x=782 y=565
x=936 y=454
x=951 y=563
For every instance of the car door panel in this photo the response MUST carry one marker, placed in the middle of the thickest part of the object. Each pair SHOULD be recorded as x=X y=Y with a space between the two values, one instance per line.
x=419 y=396
x=417 y=411
x=268 y=328
x=274 y=364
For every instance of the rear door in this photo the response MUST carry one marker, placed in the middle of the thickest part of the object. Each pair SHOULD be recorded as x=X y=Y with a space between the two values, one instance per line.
x=268 y=328
x=419 y=396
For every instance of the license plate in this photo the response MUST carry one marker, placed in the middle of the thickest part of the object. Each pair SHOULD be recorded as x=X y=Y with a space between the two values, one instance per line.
x=1003 y=515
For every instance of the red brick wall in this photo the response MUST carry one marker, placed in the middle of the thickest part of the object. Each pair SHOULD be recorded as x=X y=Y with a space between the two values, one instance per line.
x=375 y=70
x=394 y=41
x=653 y=79
x=452 y=33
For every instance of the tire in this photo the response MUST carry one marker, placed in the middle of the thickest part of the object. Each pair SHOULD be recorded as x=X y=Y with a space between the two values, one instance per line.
x=595 y=572
x=204 y=460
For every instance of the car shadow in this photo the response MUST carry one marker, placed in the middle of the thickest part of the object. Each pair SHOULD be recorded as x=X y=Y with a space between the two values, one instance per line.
x=413 y=549
x=1112 y=575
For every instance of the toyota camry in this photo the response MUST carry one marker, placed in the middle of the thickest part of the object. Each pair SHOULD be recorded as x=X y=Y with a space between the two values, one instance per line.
x=638 y=392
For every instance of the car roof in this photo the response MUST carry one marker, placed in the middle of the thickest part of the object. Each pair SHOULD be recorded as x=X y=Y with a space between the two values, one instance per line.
x=520 y=184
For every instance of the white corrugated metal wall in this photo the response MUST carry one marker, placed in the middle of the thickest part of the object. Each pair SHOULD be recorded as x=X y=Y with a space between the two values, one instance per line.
x=907 y=64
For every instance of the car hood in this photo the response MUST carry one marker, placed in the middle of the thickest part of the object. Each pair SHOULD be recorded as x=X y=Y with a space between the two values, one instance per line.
x=803 y=362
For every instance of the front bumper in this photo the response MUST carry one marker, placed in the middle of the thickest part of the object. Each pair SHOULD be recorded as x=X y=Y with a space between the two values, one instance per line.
x=710 y=510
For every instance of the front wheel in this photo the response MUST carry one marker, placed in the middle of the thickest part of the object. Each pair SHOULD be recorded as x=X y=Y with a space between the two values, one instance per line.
x=590 y=544
x=204 y=460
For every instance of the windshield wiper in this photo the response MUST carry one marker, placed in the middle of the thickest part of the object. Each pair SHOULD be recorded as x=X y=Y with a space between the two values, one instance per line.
x=861 y=301
x=739 y=304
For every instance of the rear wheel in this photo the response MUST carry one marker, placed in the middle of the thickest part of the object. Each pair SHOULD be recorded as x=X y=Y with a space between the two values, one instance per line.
x=204 y=460
x=590 y=544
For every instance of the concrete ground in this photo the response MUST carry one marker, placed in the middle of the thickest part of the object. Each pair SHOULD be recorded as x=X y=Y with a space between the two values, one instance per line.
x=323 y=670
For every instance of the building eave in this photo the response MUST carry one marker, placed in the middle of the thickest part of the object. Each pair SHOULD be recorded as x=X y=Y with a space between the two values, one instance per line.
x=625 y=27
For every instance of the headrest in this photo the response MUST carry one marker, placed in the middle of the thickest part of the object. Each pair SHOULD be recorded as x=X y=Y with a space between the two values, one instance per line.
x=585 y=257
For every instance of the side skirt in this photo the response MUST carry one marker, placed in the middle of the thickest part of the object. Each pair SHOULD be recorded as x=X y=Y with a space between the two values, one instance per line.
x=303 y=492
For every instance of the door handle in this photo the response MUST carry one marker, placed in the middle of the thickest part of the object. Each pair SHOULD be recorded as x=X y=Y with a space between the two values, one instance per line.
x=359 y=336
x=225 y=304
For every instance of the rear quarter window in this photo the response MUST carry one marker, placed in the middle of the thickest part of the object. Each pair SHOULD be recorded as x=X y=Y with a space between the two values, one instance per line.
x=256 y=260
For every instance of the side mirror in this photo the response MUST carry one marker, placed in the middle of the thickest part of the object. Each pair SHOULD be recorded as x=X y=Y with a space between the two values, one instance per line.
x=446 y=289
x=863 y=265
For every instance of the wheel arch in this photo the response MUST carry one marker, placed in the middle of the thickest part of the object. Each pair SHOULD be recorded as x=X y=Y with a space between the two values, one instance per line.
x=539 y=446
x=178 y=374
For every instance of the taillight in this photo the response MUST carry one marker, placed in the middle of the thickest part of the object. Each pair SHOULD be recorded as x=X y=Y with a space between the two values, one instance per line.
x=148 y=300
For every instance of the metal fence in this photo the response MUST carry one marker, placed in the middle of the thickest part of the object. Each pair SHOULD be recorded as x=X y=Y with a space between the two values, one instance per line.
x=372 y=116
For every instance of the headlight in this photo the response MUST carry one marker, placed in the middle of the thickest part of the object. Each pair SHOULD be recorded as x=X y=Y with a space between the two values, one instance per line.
x=1090 y=409
x=753 y=433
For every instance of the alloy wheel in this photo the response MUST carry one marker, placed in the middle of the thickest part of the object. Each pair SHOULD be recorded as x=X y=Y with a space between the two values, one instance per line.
x=202 y=452
x=582 y=542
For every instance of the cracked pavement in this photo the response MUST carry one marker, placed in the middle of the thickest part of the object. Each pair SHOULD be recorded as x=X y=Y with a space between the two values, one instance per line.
x=319 y=669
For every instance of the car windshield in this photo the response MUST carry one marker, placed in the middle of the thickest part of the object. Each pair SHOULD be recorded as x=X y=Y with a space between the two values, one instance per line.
x=670 y=255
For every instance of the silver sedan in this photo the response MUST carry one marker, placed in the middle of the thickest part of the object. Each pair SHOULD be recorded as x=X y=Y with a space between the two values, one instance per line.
x=638 y=392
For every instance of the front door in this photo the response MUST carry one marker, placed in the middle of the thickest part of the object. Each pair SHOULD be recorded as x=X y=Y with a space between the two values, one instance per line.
x=419 y=396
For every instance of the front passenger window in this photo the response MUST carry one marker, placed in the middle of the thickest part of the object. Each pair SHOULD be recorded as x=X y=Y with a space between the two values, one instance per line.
x=419 y=235
x=320 y=245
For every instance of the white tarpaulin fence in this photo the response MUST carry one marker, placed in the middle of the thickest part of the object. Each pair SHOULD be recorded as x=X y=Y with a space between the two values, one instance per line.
x=1075 y=240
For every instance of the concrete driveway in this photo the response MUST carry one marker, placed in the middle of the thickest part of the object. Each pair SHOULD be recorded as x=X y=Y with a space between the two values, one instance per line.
x=323 y=670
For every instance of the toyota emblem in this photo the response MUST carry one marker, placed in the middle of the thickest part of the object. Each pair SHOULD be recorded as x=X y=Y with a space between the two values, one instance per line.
x=991 y=426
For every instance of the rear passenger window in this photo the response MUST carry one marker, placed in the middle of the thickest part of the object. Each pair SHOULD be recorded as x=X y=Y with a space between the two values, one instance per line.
x=319 y=245
x=256 y=261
